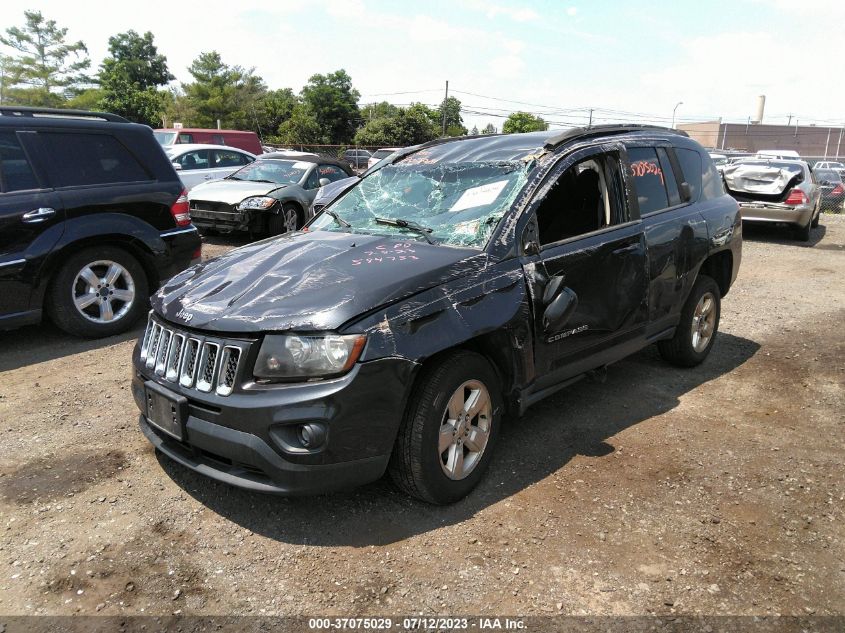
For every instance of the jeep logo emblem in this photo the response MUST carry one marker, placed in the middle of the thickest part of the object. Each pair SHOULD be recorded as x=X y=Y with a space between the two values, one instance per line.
x=184 y=315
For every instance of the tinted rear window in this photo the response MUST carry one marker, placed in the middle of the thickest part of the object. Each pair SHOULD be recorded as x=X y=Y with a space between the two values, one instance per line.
x=648 y=178
x=17 y=173
x=90 y=159
x=690 y=161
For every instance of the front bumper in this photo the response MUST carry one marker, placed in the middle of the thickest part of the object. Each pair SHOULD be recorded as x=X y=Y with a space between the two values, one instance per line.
x=245 y=439
x=776 y=212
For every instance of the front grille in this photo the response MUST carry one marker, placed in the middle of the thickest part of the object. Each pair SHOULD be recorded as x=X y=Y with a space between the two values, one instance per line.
x=199 y=362
x=210 y=205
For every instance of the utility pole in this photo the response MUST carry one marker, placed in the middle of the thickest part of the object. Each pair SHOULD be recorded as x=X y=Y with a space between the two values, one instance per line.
x=839 y=142
x=724 y=133
x=444 y=107
x=789 y=122
x=590 y=124
x=796 y=127
x=826 y=143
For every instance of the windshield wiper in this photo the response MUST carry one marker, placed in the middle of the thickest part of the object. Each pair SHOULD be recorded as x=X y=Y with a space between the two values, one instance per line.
x=232 y=178
x=270 y=181
x=410 y=225
x=337 y=218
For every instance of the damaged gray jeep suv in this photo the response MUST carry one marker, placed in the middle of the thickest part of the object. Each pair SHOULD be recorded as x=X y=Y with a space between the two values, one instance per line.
x=465 y=281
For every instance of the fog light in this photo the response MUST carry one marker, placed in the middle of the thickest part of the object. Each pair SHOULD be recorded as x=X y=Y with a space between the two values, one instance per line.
x=311 y=435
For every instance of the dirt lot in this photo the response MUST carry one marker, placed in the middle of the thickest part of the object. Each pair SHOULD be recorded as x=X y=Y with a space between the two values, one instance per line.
x=714 y=490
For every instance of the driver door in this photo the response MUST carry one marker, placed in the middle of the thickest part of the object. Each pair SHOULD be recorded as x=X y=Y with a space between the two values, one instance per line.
x=585 y=264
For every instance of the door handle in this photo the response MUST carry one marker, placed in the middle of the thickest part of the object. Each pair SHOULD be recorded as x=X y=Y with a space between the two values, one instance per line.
x=626 y=249
x=38 y=215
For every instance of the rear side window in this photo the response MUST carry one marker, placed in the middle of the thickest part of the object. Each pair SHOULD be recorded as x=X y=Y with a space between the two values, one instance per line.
x=90 y=159
x=223 y=158
x=185 y=138
x=217 y=139
x=690 y=161
x=16 y=170
x=194 y=160
x=669 y=177
x=648 y=178
x=331 y=172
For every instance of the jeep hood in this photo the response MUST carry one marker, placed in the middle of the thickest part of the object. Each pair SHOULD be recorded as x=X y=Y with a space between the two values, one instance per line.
x=307 y=281
x=231 y=191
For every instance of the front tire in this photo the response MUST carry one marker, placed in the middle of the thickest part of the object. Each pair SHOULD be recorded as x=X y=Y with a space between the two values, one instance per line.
x=698 y=326
x=286 y=221
x=99 y=292
x=449 y=430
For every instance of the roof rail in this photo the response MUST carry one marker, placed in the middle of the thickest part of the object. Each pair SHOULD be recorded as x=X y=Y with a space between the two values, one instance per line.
x=26 y=111
x=602 y=130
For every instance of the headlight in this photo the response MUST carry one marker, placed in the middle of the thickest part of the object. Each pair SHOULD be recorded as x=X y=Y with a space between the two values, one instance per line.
x=257 y=202
x=295 y=356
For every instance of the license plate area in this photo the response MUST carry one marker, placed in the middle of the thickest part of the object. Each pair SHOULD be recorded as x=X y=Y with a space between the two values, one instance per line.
x=167 y=411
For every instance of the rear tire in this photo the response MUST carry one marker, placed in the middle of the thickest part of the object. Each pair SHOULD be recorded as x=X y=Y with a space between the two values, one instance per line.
x=447 y=435
x=815 y=221
x=802 y=233
x=697 y=329
x=285 y=221
x=100 y=291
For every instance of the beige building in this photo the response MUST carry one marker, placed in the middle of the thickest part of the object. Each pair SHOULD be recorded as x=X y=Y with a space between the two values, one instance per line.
x=809 y=141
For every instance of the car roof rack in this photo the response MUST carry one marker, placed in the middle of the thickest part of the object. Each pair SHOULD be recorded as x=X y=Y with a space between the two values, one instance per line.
x=603 y=130
x=27 y=111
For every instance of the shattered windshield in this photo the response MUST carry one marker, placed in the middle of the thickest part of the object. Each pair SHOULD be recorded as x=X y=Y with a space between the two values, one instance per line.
x=282 y=172
x=453 y=203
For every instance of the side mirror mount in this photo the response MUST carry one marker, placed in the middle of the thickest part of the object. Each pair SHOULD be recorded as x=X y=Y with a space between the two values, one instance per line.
x=177 y=166
x=560 y=310
x=531 y=248
x=324 y=182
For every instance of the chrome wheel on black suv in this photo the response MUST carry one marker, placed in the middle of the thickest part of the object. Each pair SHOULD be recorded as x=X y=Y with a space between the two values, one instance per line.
x=98 y=292
x=697 y=327
x=447 y=436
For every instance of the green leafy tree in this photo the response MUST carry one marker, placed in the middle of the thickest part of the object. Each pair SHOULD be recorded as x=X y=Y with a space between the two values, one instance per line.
x=45 y=69
x=302 y=128
x=374 y=111
x=274 y=109
x=230 y=94
x=489 y=129
x=523 y=122
x=90 y=99
x=408 y=126
x=451 y=108
x=178 y=108
x=130 y=78
x=474 y=130
x=334 y=103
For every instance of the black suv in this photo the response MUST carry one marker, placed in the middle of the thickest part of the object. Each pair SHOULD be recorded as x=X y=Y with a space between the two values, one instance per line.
x=469 y=278
x=92 y=219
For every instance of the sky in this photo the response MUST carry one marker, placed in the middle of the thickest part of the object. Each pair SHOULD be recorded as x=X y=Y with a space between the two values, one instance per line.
x=627 y=61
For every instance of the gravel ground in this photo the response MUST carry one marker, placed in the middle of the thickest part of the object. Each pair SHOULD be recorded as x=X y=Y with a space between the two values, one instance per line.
x=716 y=490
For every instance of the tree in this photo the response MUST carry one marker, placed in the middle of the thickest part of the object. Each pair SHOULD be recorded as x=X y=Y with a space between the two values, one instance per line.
x=90 y=99
x=230 y=94
x=453 y=121
x=489 y=129
x=378 y=110
x=46 y=69
x=334 y=103
x=302 y=128
x=130 y=78
x=474 y=130
x=408 y=126
x=523 y=122
x=275 y=108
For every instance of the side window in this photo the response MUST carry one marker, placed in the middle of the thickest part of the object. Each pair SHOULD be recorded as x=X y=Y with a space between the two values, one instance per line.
x=690 y=161
x=223 y=158
x=185 y=138
x=15 y=168
x=648 y=178
x=331 y=172
x=588 y=196
x=669 y=177
x=90 y=159
x=218 y=139
x=313 y=179
x=194 y=160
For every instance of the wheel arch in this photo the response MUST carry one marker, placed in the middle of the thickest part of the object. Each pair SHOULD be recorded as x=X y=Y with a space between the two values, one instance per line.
x=719 y=267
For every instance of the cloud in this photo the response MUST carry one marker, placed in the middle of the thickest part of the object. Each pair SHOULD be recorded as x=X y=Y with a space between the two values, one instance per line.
x=572 y=11
x=521 y=14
